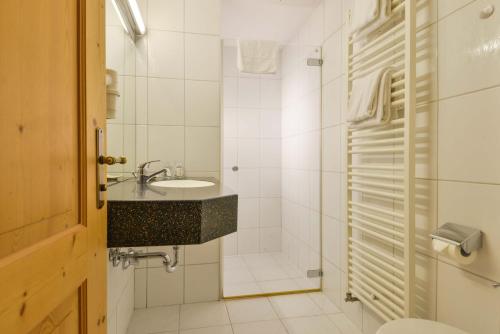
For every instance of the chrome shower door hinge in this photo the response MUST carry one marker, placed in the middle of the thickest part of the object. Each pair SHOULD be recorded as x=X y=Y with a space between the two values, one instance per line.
x=314 y=62
x=314 y=273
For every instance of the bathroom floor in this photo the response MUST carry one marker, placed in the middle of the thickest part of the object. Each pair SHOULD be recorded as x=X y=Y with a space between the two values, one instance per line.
x=292 y=314
x=264 y=273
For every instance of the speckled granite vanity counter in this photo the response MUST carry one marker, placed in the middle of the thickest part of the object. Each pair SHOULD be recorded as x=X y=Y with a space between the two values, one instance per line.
x=144 y=215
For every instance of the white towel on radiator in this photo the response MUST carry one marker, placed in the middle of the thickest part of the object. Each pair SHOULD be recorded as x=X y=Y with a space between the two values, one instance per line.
x=364 y=13
x=259 y=57
x=368 y=16
x=370 y=101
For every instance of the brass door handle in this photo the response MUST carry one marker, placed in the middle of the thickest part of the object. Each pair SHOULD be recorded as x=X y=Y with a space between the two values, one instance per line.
x=111 y=160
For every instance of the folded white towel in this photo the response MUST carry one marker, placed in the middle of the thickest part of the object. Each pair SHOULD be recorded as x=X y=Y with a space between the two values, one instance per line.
x=364 y=97
x=370 y=101
x=364 y=13
x=384 y=112
x=259 y=57
x=368 y=16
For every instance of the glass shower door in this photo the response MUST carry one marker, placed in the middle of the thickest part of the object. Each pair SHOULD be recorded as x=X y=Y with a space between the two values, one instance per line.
x=301 y=164
x=272 y=159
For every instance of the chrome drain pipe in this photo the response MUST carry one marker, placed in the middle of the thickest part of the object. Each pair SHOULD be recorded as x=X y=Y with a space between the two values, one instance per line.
x=132 y=257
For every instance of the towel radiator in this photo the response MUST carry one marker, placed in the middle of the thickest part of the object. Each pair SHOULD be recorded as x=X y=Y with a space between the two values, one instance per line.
x=380 y=175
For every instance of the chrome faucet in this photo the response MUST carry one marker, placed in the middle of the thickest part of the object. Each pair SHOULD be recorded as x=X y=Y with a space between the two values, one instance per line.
x=143 y=178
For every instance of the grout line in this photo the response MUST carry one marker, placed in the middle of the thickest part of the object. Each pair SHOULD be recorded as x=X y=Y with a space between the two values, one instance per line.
x=461 y=268
x=452 y=12
x=465 y=182
x=472 y=92
x=183 y=31
x=228 y=316
x=176 y=78
x=179 y=320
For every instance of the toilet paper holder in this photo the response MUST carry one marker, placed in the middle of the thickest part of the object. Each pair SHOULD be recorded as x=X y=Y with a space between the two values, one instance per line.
x=468 y=238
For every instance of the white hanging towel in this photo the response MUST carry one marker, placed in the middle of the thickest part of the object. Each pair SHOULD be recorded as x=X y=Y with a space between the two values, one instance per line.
x=364 y=13
x=370 y=101
x=368 y=16
x=259 y=57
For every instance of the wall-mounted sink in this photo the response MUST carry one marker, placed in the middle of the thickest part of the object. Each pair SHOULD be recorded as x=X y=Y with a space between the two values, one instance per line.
x=182 y=184
x=169 y=212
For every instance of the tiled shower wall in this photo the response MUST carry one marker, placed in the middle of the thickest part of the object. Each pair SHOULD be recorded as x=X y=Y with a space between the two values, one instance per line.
x=458 y=168
x=169 y=109
x=252 y=142
x=301 y=154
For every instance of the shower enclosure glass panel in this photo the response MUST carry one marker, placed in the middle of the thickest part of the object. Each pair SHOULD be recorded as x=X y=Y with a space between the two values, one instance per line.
x=272 y=159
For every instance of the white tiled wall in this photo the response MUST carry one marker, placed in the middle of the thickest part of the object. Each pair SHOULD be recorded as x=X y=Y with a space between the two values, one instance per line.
x=197 y=278
x=120 y=298
x=457 y=169
x=252 y=141
x=301 y=147
x=169 y=107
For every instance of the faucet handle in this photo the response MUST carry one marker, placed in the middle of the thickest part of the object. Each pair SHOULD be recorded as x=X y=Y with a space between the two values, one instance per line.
x=146 y=164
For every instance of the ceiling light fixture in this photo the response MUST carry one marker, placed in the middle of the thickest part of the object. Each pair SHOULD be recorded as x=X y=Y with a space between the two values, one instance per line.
x=130 y=16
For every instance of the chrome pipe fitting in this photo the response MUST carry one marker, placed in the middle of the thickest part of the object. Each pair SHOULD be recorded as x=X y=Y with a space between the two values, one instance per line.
x=132 y=257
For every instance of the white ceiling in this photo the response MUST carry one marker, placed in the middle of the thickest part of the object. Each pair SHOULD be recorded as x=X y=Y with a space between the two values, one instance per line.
x=264 y=19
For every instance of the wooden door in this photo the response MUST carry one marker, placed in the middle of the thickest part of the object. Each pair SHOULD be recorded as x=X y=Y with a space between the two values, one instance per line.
x=52 y=236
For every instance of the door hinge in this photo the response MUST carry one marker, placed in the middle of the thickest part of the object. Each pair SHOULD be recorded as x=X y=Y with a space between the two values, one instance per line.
x=314 y=62
x=314 y=273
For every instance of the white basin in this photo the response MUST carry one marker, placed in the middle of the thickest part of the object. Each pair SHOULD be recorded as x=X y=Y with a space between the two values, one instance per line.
x=182 y=184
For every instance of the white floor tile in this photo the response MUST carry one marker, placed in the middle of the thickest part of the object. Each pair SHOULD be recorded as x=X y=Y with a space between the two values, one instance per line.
x=308 y=283
x=203 y=315
x=295 y=306
x=291 y=270
x=344 y=324
x=263 y=327
x=154 y=320
x=308 y=325
x=241 y=289
x=268 y=273
x=238 y=275
x=209 y=330
x=324 y=303
x=263 y=273
x=249 y=310
x=278 y=286
x=311 y=313
x=233 y=262
x=259 y=260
